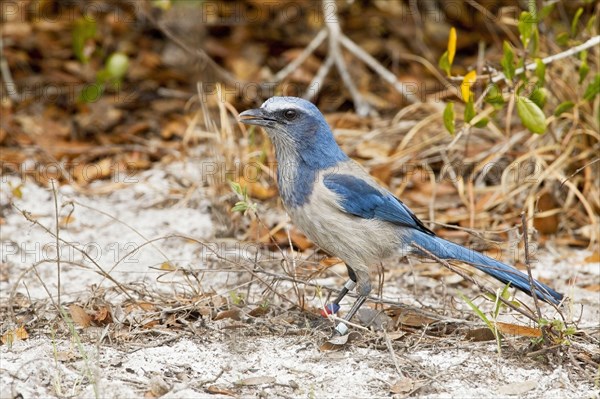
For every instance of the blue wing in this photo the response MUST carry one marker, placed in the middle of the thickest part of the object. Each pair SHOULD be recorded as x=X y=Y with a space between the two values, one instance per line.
x=361 y=199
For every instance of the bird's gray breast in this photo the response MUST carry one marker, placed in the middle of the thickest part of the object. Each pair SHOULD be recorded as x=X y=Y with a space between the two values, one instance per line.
x=351 y=238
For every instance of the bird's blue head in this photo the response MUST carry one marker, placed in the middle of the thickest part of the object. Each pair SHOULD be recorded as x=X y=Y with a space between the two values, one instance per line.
x=298 y=131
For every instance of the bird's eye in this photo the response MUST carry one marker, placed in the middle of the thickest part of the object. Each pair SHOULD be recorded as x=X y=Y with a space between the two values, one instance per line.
x=290 y=114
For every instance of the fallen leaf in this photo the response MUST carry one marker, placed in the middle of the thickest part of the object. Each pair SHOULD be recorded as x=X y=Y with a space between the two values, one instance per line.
x=404 y=385
x=260 y=191
x=592 y=287
x=252 y=381
x=80 y=316
x=259 y=311
x=546 y=224
x=167 y=266
x=330 y=261
x=103 y=316
x=517 y=388
x=17 y=334
x=217 y=390
x=151 y=324
x=374 y=319
x=480 y=335
x=146 y=306
x=4 y=272
x=514 y=329
x=228 y=314
x=593 y=258
x=300 y=240
x=66 y=220
x=65 y=356
x=409 y=318
x=373 y=149
x=337 y=342
x=382 y=172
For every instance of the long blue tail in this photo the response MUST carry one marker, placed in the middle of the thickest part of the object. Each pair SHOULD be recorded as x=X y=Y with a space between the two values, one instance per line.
x=507 y=274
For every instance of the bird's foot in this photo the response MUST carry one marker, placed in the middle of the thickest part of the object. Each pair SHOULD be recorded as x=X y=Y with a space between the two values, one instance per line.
x=341 y=329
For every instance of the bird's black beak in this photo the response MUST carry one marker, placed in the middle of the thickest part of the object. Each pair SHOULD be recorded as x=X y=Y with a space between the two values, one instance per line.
x=257 y=116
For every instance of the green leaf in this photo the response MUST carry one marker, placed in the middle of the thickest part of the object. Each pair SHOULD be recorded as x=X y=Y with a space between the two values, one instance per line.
x=563 y=107
x=593 y=89
x=444 y=63
x=590 y=24
x=469 y=109
x=91 y=93
x=535 y=42
x=477 y=311
x=494 y=97
x=562 y=39
x=575 y=21
x=584 y=68
x=117 y=66
x=526 y=25
x=162 y=4
x=531 y=115
x=540 y=71
x=449 y=118
x=539 y=96
x=236 y=187
x=508 y=61
x=84 y=29
x=546 y=10
x=240 y=206
x=482 y=123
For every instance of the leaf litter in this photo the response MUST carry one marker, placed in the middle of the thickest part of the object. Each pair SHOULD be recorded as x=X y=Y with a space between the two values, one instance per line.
x=195 y=321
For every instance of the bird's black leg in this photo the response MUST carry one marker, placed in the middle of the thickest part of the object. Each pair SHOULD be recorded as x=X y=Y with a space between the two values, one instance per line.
x=363 y=289
x=349 y=285
x=342 y=328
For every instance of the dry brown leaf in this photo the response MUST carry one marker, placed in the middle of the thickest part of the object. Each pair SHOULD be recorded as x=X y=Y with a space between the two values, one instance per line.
x=383 y=173
x=330 y=261
x=86 y=173
x=408 y=318
x=103 y=316
x=4 y=272
x=593 y=258
x=80 y=316
x=65 y=356
x=146 y=306
x=547 y=224
x=173 y=128
x=338 y=342
x=217 y=390
x=373 y=149
x=167 y=266
x=17 y=334
x=300 y=240
x=205 y=310
x=258 y=190
x=228 y=314
x=151 y=324
x=592 y=287
x=514 y=329
x=259 y=311
x=404 y=385
x=480 y=334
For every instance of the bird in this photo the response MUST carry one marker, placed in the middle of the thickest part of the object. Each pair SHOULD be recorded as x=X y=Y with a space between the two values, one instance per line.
x=340 y=207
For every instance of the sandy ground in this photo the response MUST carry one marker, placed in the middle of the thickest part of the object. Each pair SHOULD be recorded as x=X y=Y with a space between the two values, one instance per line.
x=217 y=360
